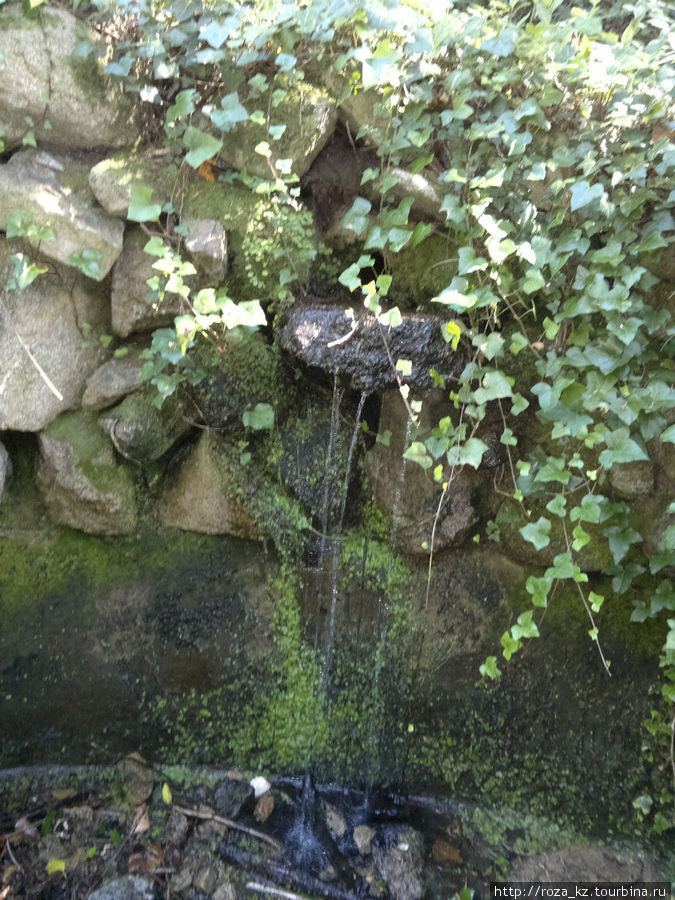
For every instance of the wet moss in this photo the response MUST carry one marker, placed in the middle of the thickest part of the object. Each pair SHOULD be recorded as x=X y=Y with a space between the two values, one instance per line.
x=422 y=272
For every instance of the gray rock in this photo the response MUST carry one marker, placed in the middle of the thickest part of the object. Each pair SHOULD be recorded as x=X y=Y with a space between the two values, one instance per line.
x=408 y=494
x=427 y=194
x=111 y=179
x=363 y=838
x=51 y=70
x=5 y=468
x=113 y=381
x=325 y=337
x=140 y=431
x=586 y=863
x=308 y=113
x=48 y=318
x=51 y=191
x=201 y=499
x=83 y=485
x=230 y=796
x=206 y=245
x=129 y=887
x=633 y=480
x=397 y=853
x=133 y=308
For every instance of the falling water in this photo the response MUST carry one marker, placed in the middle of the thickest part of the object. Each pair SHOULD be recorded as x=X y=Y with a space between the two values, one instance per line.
x=332 y=437
x=336 y=554
x=383 y=609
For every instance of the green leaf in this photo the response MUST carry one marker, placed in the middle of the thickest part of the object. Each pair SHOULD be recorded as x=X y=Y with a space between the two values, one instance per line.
x=596 y=601
x=558 y=505
x=201 y=146
x=525 y=627
x=584 y=193
x=88 y=262
x=581 y=538
x=489 y=668
x=621 y=448
x=539 y=588
x=229 y=113
x=356 y=217
x=562 y=567
x=55 y=866
x=451 y=332
x=404 y=366
x=417 y=453
x=141 y=208
x=490 y=345
x=533 y=281
x=537 y=533
x=167 y=796
x=668 y=436
x=469 y=262
x=493 y=386
x=518 y=341
x=468 y=454
x=510 y=645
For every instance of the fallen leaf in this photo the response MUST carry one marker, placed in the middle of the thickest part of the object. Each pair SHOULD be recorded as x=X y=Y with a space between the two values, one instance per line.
x=264 y=808
x=24 y=829
x=445 y=855
x=142 y=820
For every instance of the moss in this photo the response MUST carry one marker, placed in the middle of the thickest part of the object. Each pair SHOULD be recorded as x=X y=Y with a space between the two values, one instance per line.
x=94 y=455
x=85 y=67
x=422 y=272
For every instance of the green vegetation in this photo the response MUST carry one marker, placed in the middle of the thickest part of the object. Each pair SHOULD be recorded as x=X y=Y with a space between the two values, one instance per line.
x=545 y=132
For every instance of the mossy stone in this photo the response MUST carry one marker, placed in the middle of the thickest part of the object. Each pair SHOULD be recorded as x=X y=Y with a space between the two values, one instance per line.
x=420 y=273
x=83 y=485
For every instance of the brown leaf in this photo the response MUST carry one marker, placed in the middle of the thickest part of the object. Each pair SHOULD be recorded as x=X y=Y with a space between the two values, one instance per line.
x=24 y=829
x=264 y=807
x=142 y=820
x=138 y=864
x=445 y=855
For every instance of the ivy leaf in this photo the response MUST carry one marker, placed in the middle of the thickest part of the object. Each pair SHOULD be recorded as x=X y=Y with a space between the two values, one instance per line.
x=417 y=453
x=490 y=668
x=525 y=627
x=538 y=588
x=489 y=345
x=584 y=193
x=668 y=436
x=581 y=538
x=510 y=645
x=215 y=34
x=620 y=538
x=468 y=454
x=504 y=43
x=229 y=113
x=495 y=385
x=537 y=533
x=469 y=262
x=621 y=448
x=558 y=505
x=562 y=567
x=262 y=416
x=141 y=209
x=533 y=281
x=356 y=217
x=202 y=146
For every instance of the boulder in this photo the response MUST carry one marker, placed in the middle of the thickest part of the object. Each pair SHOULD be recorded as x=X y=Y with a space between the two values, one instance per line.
x=132 y=304
x=44 y=325
x=83 y=485
x=50 y=191
x=309 y=115
x=241 y=371
x=633 y=480
x=398 y=855
x=206 y=246
x=586 y=863
x=140 y=431
x=51 y=71
x=129 y=887
x=200 y=499
x=408 y=494
x=113 y=381
x=352 y=343
x=111 y=179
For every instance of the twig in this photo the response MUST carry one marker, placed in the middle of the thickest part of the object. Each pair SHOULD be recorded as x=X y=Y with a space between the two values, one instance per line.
x=213 y=817
x=52 y=387
x=11 y=855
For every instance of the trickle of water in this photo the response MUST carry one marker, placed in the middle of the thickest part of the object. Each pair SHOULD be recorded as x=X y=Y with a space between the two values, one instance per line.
x=383 y=607
x=332 y=437
x=335 y=565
